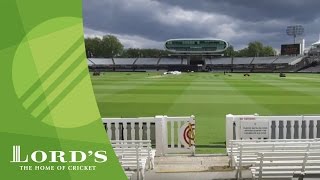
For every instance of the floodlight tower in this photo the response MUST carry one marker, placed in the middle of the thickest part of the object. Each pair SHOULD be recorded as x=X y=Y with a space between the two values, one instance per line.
x=296 y=30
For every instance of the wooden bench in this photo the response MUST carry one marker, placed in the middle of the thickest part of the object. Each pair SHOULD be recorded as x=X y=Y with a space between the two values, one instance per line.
x=276 y=165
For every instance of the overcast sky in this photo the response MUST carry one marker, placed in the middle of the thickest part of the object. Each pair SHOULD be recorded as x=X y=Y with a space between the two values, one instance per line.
x=148 y=23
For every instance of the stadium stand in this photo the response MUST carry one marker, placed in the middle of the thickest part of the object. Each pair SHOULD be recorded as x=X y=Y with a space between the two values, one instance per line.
x=221 y=61
x=101 y=61
x=311 y=69
x=264 y=60
x=296 y=60
x=242 y=60
x=168 y=61
x=184 y=61
x=286 y=59
x=208 y=61
x=124 y=61
x=147 y=61
x=216 y=64
x=90 y=63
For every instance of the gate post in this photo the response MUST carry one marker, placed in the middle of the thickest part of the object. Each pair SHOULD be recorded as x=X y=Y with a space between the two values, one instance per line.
x=193 y=147
x=161 y=135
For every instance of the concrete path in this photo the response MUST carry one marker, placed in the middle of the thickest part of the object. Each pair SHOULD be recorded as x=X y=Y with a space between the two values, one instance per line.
x=152 y=175
x=191 y=164
x=192 y=168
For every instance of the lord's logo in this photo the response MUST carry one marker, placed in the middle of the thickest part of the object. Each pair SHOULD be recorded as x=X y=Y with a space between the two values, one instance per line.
x=40 y=156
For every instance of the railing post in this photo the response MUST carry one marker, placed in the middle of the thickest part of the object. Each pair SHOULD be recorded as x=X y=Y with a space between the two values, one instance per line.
x=229 y=128
x=161 y=135
x=261 y=155
x=240 y=162
x=138 y=162
x=231 y=154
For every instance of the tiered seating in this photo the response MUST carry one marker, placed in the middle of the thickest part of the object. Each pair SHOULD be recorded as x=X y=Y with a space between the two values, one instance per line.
x=214 y=61
x=311 y=69
x=89 y=63
x=208 y=61
x=244 y=153
x=135 y=156
x=124 y=61
x=101 y=61
x=185 y=61
x=264 y=60
x=286 y=59
x=244 y=60
x=147 y=61
x=170 y=61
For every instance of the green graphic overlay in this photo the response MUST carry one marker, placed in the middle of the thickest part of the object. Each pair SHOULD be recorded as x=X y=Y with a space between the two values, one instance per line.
x=46 y=97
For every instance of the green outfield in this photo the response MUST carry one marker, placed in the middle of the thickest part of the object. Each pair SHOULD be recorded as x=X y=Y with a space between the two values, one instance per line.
x=208 y=96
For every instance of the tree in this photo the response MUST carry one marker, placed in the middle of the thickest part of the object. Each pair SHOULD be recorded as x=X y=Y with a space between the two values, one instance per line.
x=111 y=46
x=131 y=53
x=269 y=51
x=107 y=47
x=229 y=52
x=242 y=52
x=255 y=49
x=93 y=47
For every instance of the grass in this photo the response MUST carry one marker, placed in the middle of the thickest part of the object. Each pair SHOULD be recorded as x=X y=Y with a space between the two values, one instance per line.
x=208 y=96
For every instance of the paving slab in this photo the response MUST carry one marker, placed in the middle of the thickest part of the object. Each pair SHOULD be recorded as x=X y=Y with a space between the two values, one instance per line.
x=176 y=164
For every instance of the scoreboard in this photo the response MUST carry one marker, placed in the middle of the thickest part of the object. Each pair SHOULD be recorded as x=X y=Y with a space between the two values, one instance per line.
x=290 y=49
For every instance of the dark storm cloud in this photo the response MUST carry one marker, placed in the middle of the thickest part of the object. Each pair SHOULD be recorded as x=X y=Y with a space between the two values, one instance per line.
x=116 y=16
x=145 y=23
x=256 y=10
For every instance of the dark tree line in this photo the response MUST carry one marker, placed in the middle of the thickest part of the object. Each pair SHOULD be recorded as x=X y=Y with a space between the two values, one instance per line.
x=254 y=49
x=109 y=46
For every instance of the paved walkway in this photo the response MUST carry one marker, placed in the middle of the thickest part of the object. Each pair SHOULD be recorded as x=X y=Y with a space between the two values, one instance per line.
x=192 y=168
x=191 y=164
x=152 y=175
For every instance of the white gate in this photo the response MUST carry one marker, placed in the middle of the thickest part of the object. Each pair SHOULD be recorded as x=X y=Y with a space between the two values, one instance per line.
x=272 y=127
x=168 y=134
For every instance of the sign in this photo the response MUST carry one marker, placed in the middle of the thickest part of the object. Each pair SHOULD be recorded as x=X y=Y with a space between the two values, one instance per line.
x=254 y=129
x=187 y=134
x=252 y=118
x=290 y=49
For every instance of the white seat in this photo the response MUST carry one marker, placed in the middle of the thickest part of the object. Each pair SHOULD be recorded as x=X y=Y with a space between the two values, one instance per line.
x=134 y=155
x=284 y=164
x=244 y=153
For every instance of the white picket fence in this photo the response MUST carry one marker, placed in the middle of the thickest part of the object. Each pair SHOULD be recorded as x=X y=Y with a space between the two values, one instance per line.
x=272 y=127
x=163 y=131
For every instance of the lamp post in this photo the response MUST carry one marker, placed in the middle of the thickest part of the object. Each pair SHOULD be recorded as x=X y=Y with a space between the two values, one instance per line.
x=296 y=30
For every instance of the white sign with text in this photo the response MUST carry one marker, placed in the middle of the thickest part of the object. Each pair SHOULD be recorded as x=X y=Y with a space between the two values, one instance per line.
x=254 y=129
